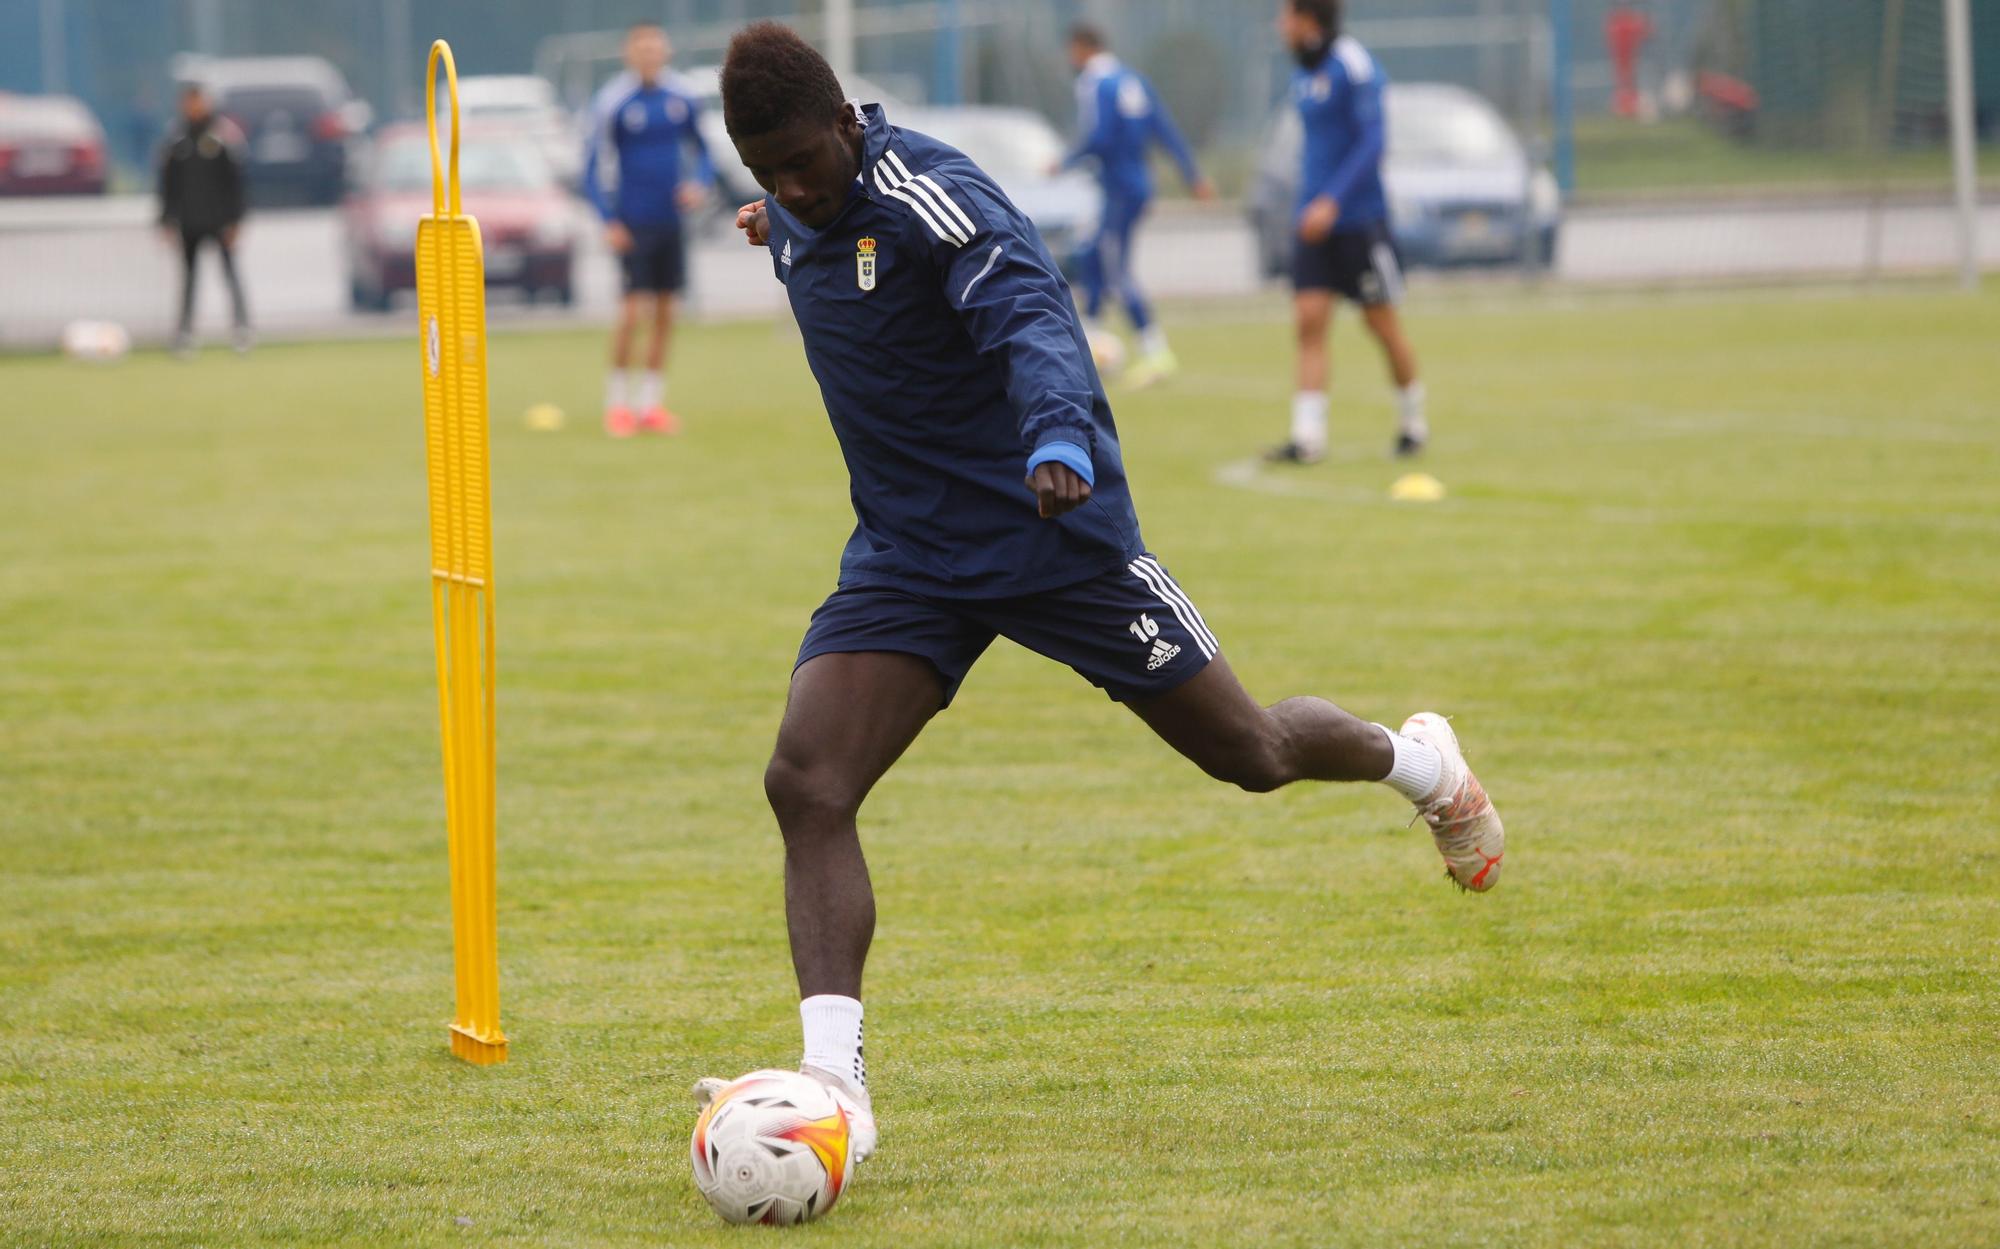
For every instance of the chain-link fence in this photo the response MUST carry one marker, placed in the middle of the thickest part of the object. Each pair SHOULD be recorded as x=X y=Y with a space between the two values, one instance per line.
x=1698 y=138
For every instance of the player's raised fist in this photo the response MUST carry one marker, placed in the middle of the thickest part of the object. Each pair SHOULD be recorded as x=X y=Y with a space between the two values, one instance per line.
x=1057 y=489
x=755 y=223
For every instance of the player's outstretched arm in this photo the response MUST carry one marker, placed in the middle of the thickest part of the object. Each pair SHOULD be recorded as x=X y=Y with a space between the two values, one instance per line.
x=1017 y=311
x=1169 y=136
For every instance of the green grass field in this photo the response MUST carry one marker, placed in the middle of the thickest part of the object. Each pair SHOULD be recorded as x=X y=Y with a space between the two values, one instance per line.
x=1713 y=600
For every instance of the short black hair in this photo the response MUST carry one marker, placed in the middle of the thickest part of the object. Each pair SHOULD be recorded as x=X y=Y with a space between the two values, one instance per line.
x=1325 y=12
x=772 y=78
x=1089 y=36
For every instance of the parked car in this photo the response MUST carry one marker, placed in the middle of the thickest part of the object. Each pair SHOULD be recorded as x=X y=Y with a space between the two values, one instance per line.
x=734 y=185
x=526 y=220
x=527 y=103
x=1017 y=147
x=1462 y=190
x=298 y=119
x=49 y=145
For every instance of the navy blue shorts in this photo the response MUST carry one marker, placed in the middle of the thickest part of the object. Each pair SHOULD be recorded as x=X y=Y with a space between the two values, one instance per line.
x=1362 y=265
x=657 y=261
x=1132 y=633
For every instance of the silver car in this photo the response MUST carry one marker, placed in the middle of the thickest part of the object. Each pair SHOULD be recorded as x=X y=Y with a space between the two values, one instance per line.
x=1462 y=190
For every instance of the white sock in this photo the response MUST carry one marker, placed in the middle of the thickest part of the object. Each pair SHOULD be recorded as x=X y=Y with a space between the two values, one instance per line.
x=833 y=1036
x=1410 y=411
x=1309 y=421
x=1417 y=768
x=1153 y=339
x=616 y=388
x=652 y=390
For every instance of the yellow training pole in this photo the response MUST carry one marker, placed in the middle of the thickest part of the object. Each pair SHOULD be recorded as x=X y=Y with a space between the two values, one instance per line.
x=451 y=307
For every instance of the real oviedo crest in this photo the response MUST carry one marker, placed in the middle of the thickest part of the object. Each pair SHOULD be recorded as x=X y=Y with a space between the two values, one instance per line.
x=864 y=264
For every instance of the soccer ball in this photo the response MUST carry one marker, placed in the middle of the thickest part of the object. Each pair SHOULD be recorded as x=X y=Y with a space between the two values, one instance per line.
x=772 y=1148
x=1107 y=351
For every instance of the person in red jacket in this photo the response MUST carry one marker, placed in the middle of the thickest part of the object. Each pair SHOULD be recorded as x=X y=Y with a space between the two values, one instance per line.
x=1626 y=33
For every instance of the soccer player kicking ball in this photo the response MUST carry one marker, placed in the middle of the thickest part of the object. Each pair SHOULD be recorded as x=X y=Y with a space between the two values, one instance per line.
x=953 y=365
x=1344 y=247
x=641 y=128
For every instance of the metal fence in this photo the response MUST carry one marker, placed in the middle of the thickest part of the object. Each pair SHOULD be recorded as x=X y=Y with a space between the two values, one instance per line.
x=1744 y=109
x=1819 y=69
x=1219 y=56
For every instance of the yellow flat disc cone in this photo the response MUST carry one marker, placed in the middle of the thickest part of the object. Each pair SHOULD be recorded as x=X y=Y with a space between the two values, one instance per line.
x=544 y=418
x=1417 y=488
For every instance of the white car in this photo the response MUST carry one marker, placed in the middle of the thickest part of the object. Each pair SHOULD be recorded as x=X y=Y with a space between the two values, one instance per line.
x=525 y=104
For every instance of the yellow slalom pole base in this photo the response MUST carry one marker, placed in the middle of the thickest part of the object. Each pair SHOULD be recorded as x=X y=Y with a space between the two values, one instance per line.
x=479 y=1051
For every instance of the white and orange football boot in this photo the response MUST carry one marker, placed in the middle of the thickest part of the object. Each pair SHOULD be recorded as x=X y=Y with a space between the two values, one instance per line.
x=855 y=1103
x=1461 y=817
x=860 y=1108
x=659 y=421
x=620 y=423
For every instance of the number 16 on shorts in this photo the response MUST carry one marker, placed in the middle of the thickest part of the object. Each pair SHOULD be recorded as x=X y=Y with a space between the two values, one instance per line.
x=1160 y=651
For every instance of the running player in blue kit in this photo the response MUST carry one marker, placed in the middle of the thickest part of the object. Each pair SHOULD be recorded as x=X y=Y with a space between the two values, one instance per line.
x=991 y=501
x=1121 y=118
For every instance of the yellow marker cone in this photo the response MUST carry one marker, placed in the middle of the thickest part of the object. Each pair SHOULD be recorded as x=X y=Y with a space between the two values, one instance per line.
x=1417 y=488
x=544 y=418
x=451 y=309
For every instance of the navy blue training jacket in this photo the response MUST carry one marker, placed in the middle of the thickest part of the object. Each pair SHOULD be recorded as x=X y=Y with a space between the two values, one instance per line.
x=951 y=360
x=1340 y=102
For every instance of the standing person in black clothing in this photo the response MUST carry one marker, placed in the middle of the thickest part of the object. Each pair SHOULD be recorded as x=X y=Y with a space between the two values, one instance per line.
x=201 y=200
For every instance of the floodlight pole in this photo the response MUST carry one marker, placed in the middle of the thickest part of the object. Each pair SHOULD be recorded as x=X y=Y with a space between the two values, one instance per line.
x=950 y=48
x=1964 y=161
x=840 y=38
x=55 y=48
x=1562 y=105
x=396 y=34
x=206 y=18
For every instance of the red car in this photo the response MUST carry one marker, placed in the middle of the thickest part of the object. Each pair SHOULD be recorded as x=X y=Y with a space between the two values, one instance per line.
x=49 y=145
x=526 y=221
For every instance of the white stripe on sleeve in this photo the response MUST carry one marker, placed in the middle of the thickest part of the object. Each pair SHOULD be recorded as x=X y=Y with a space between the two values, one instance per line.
x=927 y=191
x=924 y=213
x=923 y=184
x=965 y=222
x=992 y=259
